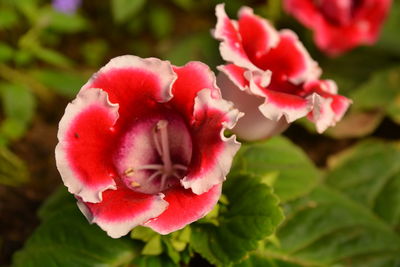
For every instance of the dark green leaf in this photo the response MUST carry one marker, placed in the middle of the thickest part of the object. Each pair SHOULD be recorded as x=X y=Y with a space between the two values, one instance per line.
x=292 y=172
x=252 y=214
x=65 y=238
x=13 y=171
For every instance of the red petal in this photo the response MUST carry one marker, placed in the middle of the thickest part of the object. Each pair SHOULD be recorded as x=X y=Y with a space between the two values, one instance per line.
x=235 y=74
x=258 y=36
x=184 y=207
x=231 y=47
x=136 y=84
x=85 y=137
x=278 y=104
x=123 y=209
x=212 y=152
x=289 y=61
x=192 y=78
x=329 y=107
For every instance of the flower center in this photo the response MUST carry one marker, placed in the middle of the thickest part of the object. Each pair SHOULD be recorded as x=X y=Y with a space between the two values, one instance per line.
x=154 y=155
x=166 y=169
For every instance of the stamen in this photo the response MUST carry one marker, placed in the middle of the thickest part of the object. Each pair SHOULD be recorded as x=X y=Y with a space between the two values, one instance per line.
x=151 y=167
x=154 y=175
x=129 y=172
x=166 y=158
x=135 y=184
x=179 y=167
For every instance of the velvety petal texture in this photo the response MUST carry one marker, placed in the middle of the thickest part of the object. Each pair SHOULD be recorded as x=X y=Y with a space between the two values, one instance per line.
x=275 y=86
x=340 y=25
x=143 y=144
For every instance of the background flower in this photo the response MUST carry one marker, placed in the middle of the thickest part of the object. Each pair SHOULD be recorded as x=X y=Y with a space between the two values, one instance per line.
x=274 y=69
x=67 y=6
x=340 y=25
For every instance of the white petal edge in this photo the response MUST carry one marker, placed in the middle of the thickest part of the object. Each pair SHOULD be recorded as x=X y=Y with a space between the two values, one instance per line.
x=226 y=52
x=121 y=228
x=223 y=163
x=84 y=99
x=162 y=69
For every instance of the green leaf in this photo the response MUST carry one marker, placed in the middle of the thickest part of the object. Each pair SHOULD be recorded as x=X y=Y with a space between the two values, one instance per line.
x=153 y=246
x=370 y=174
x=142 y=233
x=65 y=238
x=19 y=106
x=390 y=39
x=63 y=83
x=252 y=214
x=123 y=10
x=51 y=56
x=354 y=220
x=6 y=52
x=295 y=174
x=328 y=228
x=8 y=18
x=199 y=46
x=13 y=171
x=66 y=23
x=161 y=22
x=379 y=91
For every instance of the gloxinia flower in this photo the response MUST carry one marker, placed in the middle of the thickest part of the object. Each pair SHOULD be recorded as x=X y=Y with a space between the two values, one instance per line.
x=269 y=77
x=340 y=25
x=143 y=144
x=66 y=6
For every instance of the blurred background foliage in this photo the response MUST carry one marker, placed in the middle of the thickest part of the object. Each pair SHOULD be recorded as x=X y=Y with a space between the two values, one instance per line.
x=340 y=193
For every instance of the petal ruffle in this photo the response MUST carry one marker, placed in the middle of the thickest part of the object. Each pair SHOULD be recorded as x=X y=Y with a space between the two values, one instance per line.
x=212 y=152
x=329 y=107
x=192 y=78
x=231 y=47
x=254 y=125
x=85 y=136
x=257 y=34
x=278 y=105
x=123 y=209
x=136 y=84
x=184 y=207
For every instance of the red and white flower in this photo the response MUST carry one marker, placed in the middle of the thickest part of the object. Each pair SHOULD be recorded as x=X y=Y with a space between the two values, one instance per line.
x=340 y=25
x=143 y=144
x=268 y=77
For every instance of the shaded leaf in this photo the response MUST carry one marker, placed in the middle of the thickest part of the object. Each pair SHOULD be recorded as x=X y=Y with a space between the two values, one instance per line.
x=252 y=214
x=295 y=173
x=65 y=238
x=13 y=171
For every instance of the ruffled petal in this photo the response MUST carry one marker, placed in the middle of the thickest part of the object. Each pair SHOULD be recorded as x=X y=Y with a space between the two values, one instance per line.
x=85 y=137
x=184 y=207
x=236 y=75
x=123 y=209
x=328 y=107
x=289 y=61
x=253 y=125
x=258 y=36
x=192 y=78
x=231 y=47
x=278 y=105
x=212 y=151
x=136 y=84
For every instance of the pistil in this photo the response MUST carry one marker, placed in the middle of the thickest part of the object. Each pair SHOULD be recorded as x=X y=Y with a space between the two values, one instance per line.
x=164 y=170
